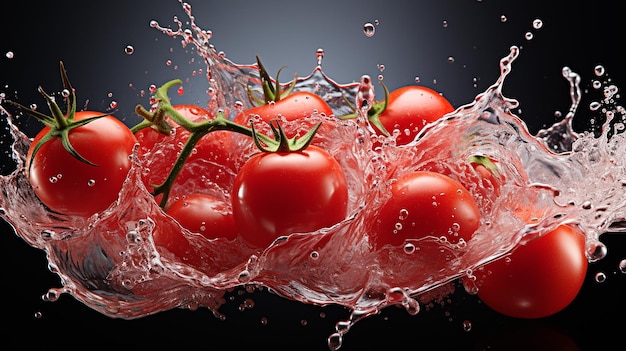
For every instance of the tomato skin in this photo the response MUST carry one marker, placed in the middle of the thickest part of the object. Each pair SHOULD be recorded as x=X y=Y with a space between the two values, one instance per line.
x=425 y=203
x=538 y=278
x=69 y=186
x=204 y=214
x=299 y=105
x=278 y=193
x=214 y=152
x=409 y=109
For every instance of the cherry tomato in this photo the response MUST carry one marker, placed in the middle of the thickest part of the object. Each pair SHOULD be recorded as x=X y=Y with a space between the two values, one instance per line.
x=425 y=204
x=212 y=160
x=538 y=278
x=204 y=214
x=409 y=109
x=280 y=193
x=297 y=106
x=66 y=184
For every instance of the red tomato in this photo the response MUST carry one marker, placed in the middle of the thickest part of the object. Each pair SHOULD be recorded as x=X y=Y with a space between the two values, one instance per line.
x=538 y=278
x=213 y=154
x=70 y=186
x=279 y=193
x=204 y=214
x=409 y=109
x=424 y=204
x=298 y=105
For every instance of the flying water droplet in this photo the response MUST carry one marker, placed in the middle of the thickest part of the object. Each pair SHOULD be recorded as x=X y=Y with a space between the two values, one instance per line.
x=369 y=29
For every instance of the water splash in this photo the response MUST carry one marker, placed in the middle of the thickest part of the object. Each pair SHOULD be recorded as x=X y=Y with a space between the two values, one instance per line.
x=110 y=262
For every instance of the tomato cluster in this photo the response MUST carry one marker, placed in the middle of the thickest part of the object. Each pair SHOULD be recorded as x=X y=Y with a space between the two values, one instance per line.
x=271 y=186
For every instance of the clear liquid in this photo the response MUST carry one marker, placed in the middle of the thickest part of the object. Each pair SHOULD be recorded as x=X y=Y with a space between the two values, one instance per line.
x=110 y=263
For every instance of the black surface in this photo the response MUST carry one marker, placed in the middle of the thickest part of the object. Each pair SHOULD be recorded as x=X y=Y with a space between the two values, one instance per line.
x=410 y=41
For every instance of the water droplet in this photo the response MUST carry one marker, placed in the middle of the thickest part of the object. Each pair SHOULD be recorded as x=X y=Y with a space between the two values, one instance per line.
x=409 y=248
x=403 y=214
x=600 y=277
x=319 y=56
x=596 y=251
x=599 y=70
x=537 y=23
x=622 y=266
x=445 y=24
x=450 y=59
x=368 y=29
x=503 y=18
x=467 y=325
x=91 y=182
x=315 y=255
x=528 y=36
x=335 y=340
x=9 y=54
x=129 y=49
x=594 y=105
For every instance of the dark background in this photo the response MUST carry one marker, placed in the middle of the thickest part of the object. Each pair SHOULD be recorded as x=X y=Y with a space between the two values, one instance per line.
x=411 y=40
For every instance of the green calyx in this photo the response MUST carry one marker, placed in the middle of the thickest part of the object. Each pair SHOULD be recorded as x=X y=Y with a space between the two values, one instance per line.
x=60 y=124
x=271 y=90
x=281 y=142
x=373 y=113
x=156 y=118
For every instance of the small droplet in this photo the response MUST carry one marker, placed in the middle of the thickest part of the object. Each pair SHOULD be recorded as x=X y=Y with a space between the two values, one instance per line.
x=319 y=56
x=600 y=277
x=599 y=70
x=537 y=23
x=369 y=30
x=622 y=266
x=129 y=49
x=9 y=54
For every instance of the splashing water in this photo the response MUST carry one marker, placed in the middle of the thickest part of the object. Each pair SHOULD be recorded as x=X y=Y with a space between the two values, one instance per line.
x=110 y=262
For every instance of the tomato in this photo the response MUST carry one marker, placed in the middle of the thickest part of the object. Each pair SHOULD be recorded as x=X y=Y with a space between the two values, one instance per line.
x=538 y=278
x=71 y=186
x=297 y=106
x=409 y=109
x=425 y=204
x=204 y=214
x=212 y=160
x=280 y=193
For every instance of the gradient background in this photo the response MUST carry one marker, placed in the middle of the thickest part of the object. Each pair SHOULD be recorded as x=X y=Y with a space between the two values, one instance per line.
x=411 y=40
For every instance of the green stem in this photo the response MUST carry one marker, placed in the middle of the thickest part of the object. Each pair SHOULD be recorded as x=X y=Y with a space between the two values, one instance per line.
x=196 y=130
